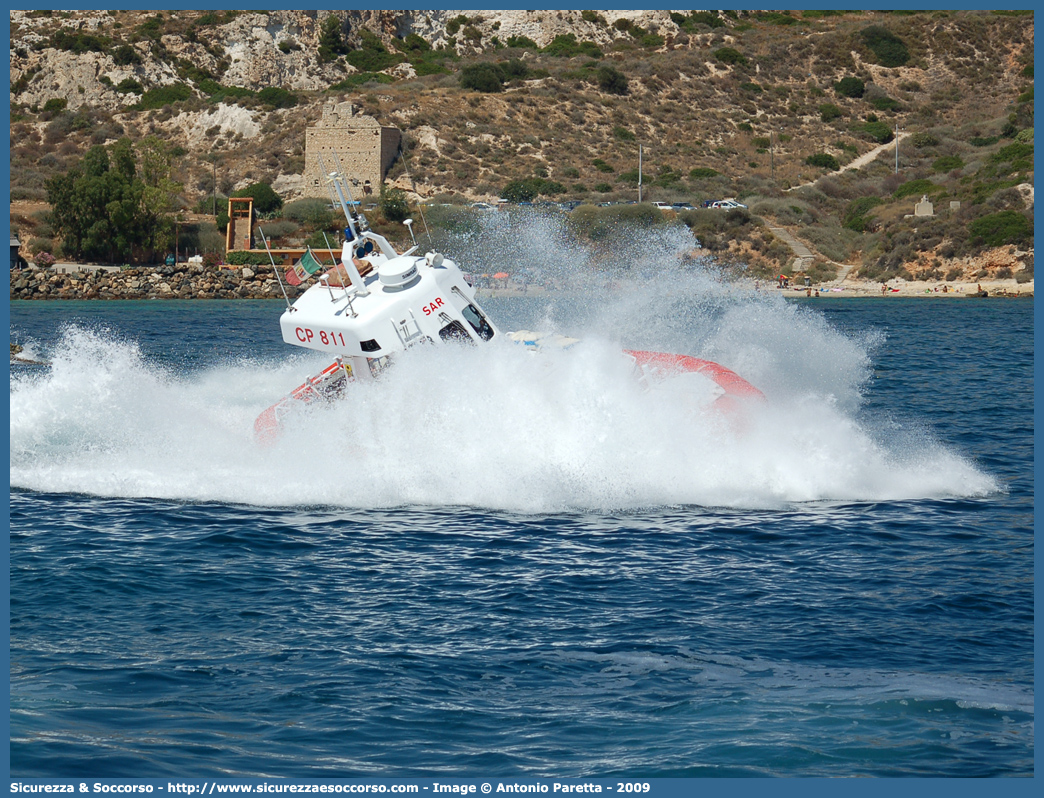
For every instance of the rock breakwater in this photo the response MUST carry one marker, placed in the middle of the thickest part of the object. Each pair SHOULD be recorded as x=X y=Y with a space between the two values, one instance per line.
x=192 y=281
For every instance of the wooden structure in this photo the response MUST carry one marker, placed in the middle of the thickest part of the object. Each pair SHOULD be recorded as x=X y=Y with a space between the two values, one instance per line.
x=239 y=236
x=240 y=231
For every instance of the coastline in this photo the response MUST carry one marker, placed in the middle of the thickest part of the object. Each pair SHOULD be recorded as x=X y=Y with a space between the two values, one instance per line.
x=259 y=282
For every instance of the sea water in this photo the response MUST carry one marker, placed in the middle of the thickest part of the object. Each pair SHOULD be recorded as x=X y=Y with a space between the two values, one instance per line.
x=494 y=563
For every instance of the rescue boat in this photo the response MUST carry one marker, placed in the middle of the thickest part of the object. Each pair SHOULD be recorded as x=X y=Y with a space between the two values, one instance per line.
x=378 y=302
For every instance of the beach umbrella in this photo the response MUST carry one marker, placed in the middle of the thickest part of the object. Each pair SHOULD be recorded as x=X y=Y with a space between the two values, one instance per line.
x=500 y=276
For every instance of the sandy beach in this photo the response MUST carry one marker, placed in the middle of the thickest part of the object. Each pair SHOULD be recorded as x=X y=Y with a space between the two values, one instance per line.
x=1007 y=288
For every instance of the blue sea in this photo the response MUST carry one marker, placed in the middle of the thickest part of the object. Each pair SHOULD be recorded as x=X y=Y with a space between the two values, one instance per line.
x=493 y=563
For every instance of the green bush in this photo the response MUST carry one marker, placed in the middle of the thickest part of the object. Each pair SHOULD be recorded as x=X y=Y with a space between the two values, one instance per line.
x=702 y=173
x=876 y=131
x=265 y=199
x=623 y=134
x=888 y=48
x=425 y=67
x=829 y=112
x=413 y=44
x=947 y=163
x=1012 y=152
x=630 y=177
x=777 y=18
x=528 y=189
x=565 y=45
x=690 y=23
x=163 y=96
x=913 y=188
x=128 y=85
x=484 y=77
x=331 y=39
x=857 y=215
x=125 y=55
x=751 y=87
x=78 y=42
x=454 y=24
x=730 y=55
x=1004 y=227
x=921 y=140
x=514 y=69
x=612 y=80
x=708 y=18
x=241 y=257
x=885 y=104
x=55 y=105
x=850 y=87
x=824 y=160
x=604 y=188
x=277 y=97
x=602 y=166
x=392 y=205
x=983 y=141
x=523 y=42
x=373 y=56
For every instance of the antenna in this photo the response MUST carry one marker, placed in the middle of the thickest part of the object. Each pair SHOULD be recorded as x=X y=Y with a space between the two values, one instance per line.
x=275 y=268
x=347 y=295
x=359 y=216
x=334 y=180
x=420 y=205
x=409 y=226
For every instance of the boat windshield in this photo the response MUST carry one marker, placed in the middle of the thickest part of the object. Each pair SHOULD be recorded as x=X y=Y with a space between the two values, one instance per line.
x=454 y=331
x=476 y=320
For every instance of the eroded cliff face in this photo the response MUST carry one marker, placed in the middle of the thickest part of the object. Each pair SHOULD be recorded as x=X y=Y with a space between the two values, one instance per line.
x=253 y=50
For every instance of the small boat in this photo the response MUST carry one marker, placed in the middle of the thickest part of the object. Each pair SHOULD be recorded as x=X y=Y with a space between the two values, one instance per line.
x=378 y=302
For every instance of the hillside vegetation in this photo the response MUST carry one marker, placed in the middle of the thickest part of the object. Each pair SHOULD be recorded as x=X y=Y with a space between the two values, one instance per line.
x=766 y=107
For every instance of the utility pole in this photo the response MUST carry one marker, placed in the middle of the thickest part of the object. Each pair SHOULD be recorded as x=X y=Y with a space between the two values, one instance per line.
x=639 y=173
x=214 y=164
x=772 y=157
x=897 y=129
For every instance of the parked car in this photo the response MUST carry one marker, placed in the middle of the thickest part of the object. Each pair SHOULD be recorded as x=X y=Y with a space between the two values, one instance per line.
x=663 y=206
x=727 y=204
x=682 y=206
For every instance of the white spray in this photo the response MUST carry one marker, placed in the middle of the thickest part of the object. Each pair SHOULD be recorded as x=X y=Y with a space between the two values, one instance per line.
x=496 y=426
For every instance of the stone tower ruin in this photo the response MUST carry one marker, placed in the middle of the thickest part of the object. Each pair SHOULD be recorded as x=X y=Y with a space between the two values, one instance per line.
x=365 y=149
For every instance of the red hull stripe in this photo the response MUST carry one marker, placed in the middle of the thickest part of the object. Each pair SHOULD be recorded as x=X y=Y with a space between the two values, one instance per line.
x=732 y=382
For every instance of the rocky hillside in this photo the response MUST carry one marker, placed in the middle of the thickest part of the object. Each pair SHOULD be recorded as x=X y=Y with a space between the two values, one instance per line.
x=742 y=104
